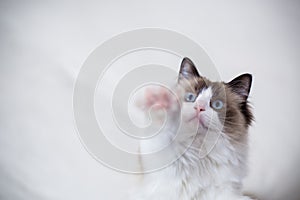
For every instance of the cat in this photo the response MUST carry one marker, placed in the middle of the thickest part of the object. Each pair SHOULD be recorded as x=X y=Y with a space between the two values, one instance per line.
x=208 y=168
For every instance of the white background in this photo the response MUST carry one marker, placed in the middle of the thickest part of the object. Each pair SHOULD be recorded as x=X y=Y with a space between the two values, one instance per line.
x=44 y=43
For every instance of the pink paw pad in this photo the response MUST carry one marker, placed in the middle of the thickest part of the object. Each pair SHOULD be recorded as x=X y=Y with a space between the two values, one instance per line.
x=159 y=98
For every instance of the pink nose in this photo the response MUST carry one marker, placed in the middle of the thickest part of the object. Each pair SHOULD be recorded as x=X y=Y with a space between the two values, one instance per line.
x=199 y=108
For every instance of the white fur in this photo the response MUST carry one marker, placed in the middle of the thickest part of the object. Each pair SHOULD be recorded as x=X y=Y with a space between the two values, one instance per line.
x=216 y=176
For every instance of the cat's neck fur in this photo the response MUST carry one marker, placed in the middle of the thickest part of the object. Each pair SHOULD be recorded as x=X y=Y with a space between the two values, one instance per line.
x=217 y=170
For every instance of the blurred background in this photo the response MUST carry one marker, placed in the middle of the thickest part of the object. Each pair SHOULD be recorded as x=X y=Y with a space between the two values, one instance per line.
x=44 y=44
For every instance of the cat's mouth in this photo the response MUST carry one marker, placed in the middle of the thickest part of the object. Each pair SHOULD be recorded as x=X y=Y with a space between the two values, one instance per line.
x=200 y=120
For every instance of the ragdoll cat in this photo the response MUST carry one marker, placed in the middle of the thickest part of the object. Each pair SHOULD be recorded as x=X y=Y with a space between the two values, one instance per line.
x=217 y=109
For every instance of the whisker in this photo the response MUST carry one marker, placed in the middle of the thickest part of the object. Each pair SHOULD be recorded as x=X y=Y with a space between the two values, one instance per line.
x=236 y=142
x=234 y=123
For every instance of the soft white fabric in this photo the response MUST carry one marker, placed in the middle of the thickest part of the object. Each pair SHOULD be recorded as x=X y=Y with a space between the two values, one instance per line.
x=44 y=43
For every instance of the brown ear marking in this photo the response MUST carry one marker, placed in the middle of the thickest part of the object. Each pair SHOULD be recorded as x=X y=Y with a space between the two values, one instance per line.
x=188 y=69
x=241 y=85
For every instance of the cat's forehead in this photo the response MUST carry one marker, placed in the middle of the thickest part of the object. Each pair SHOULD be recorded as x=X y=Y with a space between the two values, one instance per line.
x=205 y=94
x=202 y=84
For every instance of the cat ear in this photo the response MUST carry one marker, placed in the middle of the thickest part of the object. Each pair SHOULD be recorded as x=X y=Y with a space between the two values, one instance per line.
x=241 y=85
x=188 y=69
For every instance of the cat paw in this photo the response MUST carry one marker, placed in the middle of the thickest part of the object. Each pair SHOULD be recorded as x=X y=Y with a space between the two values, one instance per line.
x=158 y=98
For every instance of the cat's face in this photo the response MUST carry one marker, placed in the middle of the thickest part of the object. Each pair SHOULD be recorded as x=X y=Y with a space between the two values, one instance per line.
x=214 y=106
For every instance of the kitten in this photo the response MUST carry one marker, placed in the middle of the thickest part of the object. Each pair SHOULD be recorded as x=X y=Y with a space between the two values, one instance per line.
x=211 y=142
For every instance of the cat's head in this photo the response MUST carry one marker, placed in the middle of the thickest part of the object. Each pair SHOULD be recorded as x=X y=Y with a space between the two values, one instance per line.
x=215 y=106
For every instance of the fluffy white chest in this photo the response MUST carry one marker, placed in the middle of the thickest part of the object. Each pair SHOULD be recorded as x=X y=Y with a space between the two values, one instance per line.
x=216 y=176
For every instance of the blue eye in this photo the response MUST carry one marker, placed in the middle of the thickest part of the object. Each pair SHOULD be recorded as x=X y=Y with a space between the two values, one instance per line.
x=190 y=97
x=217 y=104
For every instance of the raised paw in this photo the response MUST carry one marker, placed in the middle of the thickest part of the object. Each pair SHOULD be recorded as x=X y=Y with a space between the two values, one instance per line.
x=158 y=98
